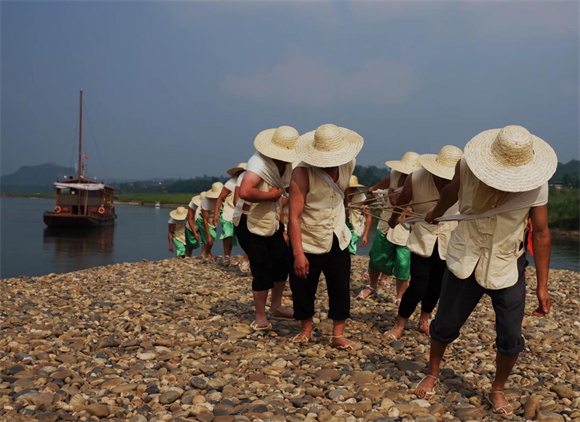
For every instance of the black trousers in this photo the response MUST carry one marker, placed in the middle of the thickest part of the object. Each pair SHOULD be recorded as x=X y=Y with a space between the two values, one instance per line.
x=459 y=298
x=335 y=265
x=269 y=256
x=425 y=284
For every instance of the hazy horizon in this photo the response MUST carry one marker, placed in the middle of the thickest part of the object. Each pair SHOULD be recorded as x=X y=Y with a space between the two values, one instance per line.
x=181 y=89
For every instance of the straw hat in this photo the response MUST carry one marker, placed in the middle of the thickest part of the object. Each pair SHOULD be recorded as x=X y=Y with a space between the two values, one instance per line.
x=179 y=214
x=329 y=146
x=406 y=165
x=278 y=143
x=215 y=191
x=235 y=171
x=511 y=159
x=353 y=182
x=197 y=199
x=442 y=164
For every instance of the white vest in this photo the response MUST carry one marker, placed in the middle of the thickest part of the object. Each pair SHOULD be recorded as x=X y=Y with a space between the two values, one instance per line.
x=424 y=235
x=399 y=235
x=356 y=216
x=491 y=246
x=323 y=214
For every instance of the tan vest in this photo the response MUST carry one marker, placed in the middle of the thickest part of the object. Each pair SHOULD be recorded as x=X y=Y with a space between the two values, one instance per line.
x=228 y=206
x=179 y=232
x=424 y=235
x=263 y=217
x=323 y=214
x=399 y=235
x=489 y=245
x=356 y=216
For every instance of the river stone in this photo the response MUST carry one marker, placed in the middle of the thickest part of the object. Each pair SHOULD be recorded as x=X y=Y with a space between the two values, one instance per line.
x=328 y=374
x=169 y=397
x=531 y=407
x=335 y=394
x=46 y=417
x=563 y=391
x=198 y=383
x=470 y=413
x=544 y=416
x=98 y=410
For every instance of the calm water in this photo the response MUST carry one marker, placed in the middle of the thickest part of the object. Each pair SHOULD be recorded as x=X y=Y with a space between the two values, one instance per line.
x=28 y=248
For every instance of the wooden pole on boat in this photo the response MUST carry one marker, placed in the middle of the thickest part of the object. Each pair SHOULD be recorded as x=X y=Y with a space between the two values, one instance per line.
x=80 y=136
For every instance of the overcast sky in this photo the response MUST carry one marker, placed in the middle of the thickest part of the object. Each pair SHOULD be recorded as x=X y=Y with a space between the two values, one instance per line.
x=180 y=89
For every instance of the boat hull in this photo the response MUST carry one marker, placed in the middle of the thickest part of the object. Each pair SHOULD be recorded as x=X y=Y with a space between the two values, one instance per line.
x=78 y=221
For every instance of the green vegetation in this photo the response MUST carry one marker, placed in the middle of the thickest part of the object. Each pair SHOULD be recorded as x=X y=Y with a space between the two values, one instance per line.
x=40 y=195
x=564 y=209
x=151 y=198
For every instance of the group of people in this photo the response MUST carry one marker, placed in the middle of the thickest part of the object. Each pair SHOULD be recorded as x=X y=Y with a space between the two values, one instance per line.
x=451 y=229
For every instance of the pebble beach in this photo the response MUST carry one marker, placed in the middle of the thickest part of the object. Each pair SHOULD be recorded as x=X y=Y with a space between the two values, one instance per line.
x=171 y=340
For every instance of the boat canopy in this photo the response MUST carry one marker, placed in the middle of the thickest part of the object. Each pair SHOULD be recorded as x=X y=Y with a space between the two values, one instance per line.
x=80 y=186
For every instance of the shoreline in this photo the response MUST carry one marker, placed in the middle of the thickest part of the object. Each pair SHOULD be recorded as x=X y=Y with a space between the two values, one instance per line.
x=172 y=339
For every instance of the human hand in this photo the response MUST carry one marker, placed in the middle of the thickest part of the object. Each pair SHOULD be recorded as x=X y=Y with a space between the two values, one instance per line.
x=209 y=240
x=364 y=241
x=171 y=248
x=544 y=302
x=286 y=239
x=429 y=218
x=275 y=193
x=301 y=266
x=215 y=221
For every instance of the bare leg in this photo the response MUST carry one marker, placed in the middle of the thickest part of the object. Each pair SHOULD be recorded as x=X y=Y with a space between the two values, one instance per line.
x=505 y=364
x=423 y=323
x=401 y=287
x=188 y=252
x=305 y=334
x=276 y=305
x=435 y=356
x=338 y=338
x=397 y=331
x=260 y=298
x=374 y=281
x=227 y=246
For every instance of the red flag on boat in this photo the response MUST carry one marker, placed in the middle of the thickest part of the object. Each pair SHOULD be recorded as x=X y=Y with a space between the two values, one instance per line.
x=85 y=157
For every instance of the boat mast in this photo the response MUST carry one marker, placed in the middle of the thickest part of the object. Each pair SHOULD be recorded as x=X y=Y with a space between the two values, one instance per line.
x=80 y=137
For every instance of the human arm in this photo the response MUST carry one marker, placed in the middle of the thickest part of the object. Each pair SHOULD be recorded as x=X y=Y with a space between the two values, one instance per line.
x=171 y=230
x=218 y=204
x=404 y=198
x=191 y=222
x=205 y=217
x=541 y=242
x=236 y=195
x=449 y=196
x=368 y=223
x=298 y=191
x=383 y=184
x=249 y=189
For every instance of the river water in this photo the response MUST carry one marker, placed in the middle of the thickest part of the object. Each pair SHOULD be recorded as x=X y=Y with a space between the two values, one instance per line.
x=28 y=248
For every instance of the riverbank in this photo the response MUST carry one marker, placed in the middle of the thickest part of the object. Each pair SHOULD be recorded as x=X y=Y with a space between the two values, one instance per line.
x=171 y=339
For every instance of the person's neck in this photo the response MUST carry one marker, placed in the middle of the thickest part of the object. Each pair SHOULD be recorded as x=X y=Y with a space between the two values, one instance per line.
x=332 y=172
x=281 y=166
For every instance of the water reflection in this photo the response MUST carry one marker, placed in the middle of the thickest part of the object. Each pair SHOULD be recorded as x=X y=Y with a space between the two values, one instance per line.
x=73 y=243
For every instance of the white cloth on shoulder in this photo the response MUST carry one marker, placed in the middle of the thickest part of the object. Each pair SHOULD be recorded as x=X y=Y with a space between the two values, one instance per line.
x=267 y=169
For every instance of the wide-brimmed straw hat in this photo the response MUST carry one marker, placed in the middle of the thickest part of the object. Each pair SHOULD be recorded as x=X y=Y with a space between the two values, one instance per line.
x=179 y=214
x=197 y=199
x=511 y=159
x=353 y=182
x=406 y=165
x=329 y=146
x=442 y=164
x=215 y=191
x=235 y=171
x=278 y=143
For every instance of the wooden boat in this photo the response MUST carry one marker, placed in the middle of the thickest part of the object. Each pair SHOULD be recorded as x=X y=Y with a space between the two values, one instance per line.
x=81 y=202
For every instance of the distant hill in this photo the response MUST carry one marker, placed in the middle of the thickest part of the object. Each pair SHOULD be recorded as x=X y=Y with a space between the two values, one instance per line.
x=37 y=178
x=568 y=174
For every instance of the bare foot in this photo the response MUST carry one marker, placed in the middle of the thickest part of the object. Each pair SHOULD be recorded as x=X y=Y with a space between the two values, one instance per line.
x=499 y=403
x=426 y=387
x=384 y=283
x=423 y=326
x=302 y=337
x=342 y=343
x=394 y=333
x=366 y=292
x=283 y=312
